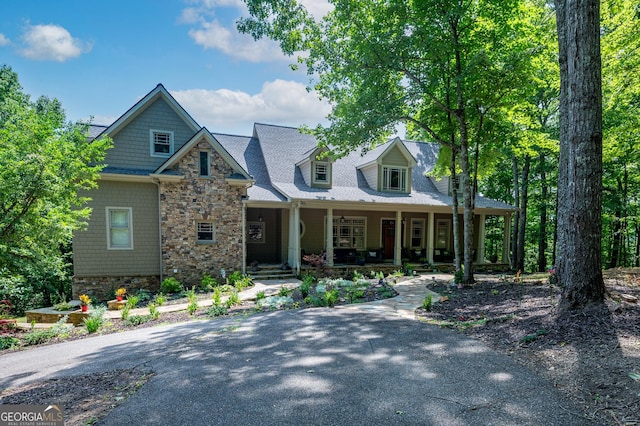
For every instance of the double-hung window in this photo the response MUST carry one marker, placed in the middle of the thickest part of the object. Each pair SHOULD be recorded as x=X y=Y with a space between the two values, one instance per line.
x=161 y=143
x=394 y=179
x=321 y=173
x=206 y=233
x=119 y=229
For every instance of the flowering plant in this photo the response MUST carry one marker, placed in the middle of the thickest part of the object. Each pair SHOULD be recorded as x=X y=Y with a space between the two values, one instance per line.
x=85 y=300
x=121 y=291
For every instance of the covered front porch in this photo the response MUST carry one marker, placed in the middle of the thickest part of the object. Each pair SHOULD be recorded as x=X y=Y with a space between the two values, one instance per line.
x=365 y=236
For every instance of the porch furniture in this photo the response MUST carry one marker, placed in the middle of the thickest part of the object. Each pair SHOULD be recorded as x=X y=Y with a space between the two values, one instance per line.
x=342 y=255
x=374 y=256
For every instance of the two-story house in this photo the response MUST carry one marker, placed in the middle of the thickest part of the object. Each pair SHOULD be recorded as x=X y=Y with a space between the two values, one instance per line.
x=178 y=200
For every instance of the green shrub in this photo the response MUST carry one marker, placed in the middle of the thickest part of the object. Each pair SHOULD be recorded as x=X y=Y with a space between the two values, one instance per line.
x=134 y=320
x=331 y=297
x=192 y=307
x=95 y=319
x=305 y=288
x=132 y=301
x=235 y=277
x=124 y=313
x=260 y=295
x=243 y=283
x=216 y=311
x=275 y=301
x=8 y=342
x=36 y=337
x=284 y=291
x=208 y=283
x=153 y=311
x=64 y=306
x=160 y=299
x=427 y=302
x=315 y=301
x=20 y=293
x=217 y=296
x=170 y=285
x=234 y=299
x=143 y=295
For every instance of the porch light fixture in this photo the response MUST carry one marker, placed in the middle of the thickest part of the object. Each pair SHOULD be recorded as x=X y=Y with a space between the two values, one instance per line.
x=342 y=218
x=260 y=216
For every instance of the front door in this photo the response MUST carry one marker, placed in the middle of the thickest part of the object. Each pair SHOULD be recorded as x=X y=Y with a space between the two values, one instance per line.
x=388 y=238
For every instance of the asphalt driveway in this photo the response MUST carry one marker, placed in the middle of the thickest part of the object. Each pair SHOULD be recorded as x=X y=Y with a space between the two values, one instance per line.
x=306 y=367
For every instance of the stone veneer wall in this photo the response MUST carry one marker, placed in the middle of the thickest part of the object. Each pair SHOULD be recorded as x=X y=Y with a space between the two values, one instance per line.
x=103 y=288
x=194 y=199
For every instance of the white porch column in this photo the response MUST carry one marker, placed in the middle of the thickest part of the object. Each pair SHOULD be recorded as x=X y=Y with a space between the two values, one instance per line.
x=296 y=235
x=397 y=256
x=329 y=241
x=430 y=236
x=481 y=236
x=506 y=238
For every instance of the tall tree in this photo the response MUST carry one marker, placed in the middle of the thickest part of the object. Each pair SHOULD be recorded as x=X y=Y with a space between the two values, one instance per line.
x=45 y=162
x=382 y=62
x=580 y=166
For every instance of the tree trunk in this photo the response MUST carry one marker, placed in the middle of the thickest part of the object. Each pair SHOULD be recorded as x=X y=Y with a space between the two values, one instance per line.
x=523 y=213
x=616 y=245
x=542 y=231
x=580 y=166
x=516 y=216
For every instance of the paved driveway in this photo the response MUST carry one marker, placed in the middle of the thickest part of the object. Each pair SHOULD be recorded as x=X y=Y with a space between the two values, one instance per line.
x=348 y=366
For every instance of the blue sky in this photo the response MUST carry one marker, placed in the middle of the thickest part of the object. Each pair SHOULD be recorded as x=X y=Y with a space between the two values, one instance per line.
x=100 y=57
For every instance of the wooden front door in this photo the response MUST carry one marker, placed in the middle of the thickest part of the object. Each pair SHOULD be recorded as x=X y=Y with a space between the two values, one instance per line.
x=388 y=237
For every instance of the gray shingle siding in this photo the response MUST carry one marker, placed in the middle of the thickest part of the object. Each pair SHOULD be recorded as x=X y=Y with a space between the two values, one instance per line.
x=132 y=147
x=91 y=255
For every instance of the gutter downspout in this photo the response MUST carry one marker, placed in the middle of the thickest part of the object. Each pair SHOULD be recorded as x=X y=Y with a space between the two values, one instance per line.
x=244 y=235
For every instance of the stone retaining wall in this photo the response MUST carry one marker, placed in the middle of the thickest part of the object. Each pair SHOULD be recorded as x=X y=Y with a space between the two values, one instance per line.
x=104 y=288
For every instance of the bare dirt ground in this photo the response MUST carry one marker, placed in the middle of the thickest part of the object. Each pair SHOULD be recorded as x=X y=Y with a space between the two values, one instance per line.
x=593 y=356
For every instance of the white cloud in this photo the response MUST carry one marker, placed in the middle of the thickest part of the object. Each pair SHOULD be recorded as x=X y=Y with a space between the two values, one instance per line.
x=317 y=8
x=213 y=35
x=51 y=43
x=4 y=41
x=279 y=102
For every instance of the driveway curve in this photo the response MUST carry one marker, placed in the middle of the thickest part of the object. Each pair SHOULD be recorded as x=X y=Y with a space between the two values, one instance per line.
x=353 y=365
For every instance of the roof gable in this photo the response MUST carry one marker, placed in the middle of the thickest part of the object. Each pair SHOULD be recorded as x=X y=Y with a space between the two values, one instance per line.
x=378 y=154
x=158 y=92
x=238 y=171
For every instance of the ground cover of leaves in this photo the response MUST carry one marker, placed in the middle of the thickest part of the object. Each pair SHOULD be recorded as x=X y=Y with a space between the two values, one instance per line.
x=592 y=355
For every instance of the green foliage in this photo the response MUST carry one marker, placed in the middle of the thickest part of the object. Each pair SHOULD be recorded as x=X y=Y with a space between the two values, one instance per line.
x=243 y=283
x=20 y=293
x=208 y=282
x=171 y=285
x=217 y=310
x=235 y=277
x=46 y=163
x=275 y=302
x=124 y=312
x=331 y=297
x=135 y=320
x=427 y=302
x=217 y=296
x=95 y=319
x=63 y=306
x=234 y=299
x=153 y=311
x=160 y=299
x=192 y=306
x=305 y=287
x=458 y=276
x=38 y=336
x=315 y=301
x=260 y=295
x=284 y=291
x=8 y=342
x=132 y=301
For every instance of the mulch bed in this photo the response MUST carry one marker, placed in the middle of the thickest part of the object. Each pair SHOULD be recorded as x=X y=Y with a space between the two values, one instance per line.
x=592 y=355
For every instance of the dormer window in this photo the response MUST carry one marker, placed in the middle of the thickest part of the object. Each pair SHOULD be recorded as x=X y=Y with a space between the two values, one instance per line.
x=161 y=143
x=394 y=179
x=321 y=173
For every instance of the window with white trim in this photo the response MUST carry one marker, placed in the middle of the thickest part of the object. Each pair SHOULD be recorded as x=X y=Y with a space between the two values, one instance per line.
x=417 y=233
x=161 y=143
x=206 y=232
x=321 y=172
x=349 y=232
x=119 y=229
x=394 y=178
x=204 y=164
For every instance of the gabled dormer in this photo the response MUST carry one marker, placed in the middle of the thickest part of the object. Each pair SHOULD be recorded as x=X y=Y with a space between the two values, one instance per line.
x=445 y=184
x=388 y=168
x=316 y=168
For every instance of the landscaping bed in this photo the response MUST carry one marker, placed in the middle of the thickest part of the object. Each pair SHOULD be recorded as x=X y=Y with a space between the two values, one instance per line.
x=592 y=355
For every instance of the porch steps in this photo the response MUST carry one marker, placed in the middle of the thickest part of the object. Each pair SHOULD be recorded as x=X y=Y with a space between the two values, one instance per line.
x=270 y=272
